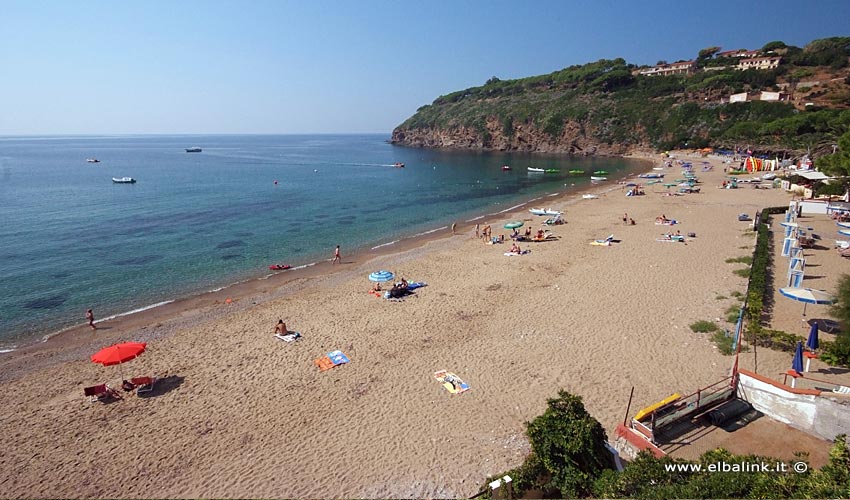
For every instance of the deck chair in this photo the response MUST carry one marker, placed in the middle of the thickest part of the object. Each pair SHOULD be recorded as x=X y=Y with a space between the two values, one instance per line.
x=840 y=389
x=143 y=384
x=101 y=393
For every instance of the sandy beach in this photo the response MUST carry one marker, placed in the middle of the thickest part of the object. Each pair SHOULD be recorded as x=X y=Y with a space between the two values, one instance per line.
x=238 y=413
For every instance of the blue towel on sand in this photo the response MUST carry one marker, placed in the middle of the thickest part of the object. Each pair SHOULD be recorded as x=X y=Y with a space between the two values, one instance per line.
x=338 y=357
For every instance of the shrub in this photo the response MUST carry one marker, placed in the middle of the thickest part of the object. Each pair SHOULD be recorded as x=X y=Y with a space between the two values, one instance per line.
x=723 y=341
x=744 y=259
x=744 y=273
x=703 y=326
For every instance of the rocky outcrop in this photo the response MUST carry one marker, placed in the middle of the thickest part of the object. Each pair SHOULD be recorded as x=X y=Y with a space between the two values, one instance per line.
x=524 y=137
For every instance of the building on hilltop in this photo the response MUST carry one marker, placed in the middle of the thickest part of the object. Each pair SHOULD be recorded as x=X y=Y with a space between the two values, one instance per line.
x=759 y=63
x=774 y=96
x=677 y=68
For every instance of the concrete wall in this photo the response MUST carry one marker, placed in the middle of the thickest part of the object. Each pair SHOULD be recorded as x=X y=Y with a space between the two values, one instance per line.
x=802 y=409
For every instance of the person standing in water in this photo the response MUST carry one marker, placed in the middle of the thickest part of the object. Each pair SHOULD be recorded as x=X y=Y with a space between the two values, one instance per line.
x=337 y=256
x=90 y=319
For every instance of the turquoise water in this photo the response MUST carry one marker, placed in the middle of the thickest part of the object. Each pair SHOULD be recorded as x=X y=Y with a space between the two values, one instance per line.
x=71 y=239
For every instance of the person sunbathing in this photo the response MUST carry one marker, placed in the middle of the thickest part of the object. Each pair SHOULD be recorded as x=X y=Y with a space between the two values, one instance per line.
x=280 y=327
x=515 y=248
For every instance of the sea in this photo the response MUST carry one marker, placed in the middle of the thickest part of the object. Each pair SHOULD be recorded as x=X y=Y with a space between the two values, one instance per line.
x=72 y=239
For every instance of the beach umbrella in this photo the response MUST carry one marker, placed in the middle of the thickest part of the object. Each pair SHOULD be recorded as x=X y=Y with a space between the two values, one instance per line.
x=807 y=296
x=118 y=353
x=797 y=363
x=844 y=232
x=381 y=276
x=845 y=225
x=513 y=225
x=812 y=341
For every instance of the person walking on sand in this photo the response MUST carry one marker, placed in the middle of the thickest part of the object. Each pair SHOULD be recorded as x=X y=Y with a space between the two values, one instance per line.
x=90 y=319
x=454 y=225
x=337 y=256
x=477 y=230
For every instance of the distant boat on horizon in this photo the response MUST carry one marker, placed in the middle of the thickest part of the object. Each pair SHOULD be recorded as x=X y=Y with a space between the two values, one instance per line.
x=398 y=165
x=92 y=160
x=194 y=150
x=123 y=180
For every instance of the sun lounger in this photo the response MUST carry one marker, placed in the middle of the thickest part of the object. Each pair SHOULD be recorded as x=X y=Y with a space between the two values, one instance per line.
x=451 y=382
x=841 y=390
x=143 y=384
x=101 y=393
x=842 y=244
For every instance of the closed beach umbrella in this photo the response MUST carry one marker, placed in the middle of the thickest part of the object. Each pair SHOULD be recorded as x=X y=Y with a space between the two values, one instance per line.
x=513 y=225
x=381 y=276
x=807 y=296
x=793 y=225
x=797 y=363
x=118 y=353
x=812 y=341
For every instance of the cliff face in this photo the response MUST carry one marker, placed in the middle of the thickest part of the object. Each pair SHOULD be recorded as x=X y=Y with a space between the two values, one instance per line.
x=522 y=137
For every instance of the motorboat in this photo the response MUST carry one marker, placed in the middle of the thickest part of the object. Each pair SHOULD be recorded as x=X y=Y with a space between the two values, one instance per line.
x=537 y=211
x=589 y=196
x=532 y=169
x=596 y=178
x=398 y=165
x=194 y=150
x=123 y=180
x=506 y=167
x=279 y=267
x=549 y=211
x=92 y=160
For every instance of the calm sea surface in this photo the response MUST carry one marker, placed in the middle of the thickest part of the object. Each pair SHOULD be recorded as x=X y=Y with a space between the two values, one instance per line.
x=71 y=239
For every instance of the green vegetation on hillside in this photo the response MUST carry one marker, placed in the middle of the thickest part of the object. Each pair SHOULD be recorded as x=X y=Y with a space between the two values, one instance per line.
x=609 y=102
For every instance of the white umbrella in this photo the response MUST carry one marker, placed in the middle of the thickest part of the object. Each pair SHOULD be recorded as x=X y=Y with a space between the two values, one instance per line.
x=807 y=296
x=844 y=232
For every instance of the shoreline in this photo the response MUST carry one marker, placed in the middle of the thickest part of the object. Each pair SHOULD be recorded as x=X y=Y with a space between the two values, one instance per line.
x=74 y=337
x=235 y=402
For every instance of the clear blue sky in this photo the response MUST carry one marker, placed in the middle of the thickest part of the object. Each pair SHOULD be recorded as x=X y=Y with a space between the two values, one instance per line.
x=316 y=66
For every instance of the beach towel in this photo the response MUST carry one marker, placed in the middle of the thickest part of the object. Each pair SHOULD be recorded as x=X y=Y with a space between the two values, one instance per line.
x=445 y=378
x=330 y=360
x=512 y=254
x=667 y=223
x=674 y=239
x=289 y=337
x=416 y=284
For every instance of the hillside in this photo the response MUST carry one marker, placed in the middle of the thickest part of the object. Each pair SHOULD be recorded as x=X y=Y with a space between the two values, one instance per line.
x=609 y=107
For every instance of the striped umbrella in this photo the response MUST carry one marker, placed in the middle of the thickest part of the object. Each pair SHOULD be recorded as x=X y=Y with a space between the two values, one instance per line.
x=513 y=225
x=381 y=276
x=807 y=296
x=844 y=232
x=845 y=225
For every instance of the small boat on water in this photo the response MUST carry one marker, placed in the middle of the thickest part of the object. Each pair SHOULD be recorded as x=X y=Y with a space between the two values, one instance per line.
x=398 y=165
x=279 y=267
x=506 y=167
x=597 y=178
x=194 y=150
x=540 y=211
x=600 y=172
x=552 y=170
x=92 y=160
x=532 y=169
x=123 y=180
x=576 y=172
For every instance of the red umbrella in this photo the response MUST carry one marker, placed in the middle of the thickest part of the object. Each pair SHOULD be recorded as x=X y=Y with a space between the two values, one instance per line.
x=118 y=353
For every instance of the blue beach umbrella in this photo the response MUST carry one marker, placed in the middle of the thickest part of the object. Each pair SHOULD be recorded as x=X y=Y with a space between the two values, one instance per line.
x=812 y=341
x=845 y=225
x=797 y=364
x=844 y=232
x=381 y=276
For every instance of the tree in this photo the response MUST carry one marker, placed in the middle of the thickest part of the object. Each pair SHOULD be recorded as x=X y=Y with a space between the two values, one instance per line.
x=662 y=62
x=707 y=53
x=774 y=45
x=570 y=444
x=492 y=80
x=838 y=164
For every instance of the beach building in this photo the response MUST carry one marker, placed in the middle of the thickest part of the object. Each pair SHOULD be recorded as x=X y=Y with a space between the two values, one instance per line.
x=759 y=63
x=677 y=68
x=742 y=97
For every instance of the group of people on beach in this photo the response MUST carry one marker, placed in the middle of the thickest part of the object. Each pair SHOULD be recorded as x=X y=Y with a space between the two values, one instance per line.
x=628 y=221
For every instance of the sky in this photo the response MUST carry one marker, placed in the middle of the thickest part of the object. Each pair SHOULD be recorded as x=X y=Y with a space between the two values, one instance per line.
x=322 y=66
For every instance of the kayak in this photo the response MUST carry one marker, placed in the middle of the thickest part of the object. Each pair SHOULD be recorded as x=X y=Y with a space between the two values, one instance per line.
x=279 y=267
x=600 y=172
x=576 y=171
x=552 y=170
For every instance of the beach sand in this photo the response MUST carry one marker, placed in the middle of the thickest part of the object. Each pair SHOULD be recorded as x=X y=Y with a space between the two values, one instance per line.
x=242 y=414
